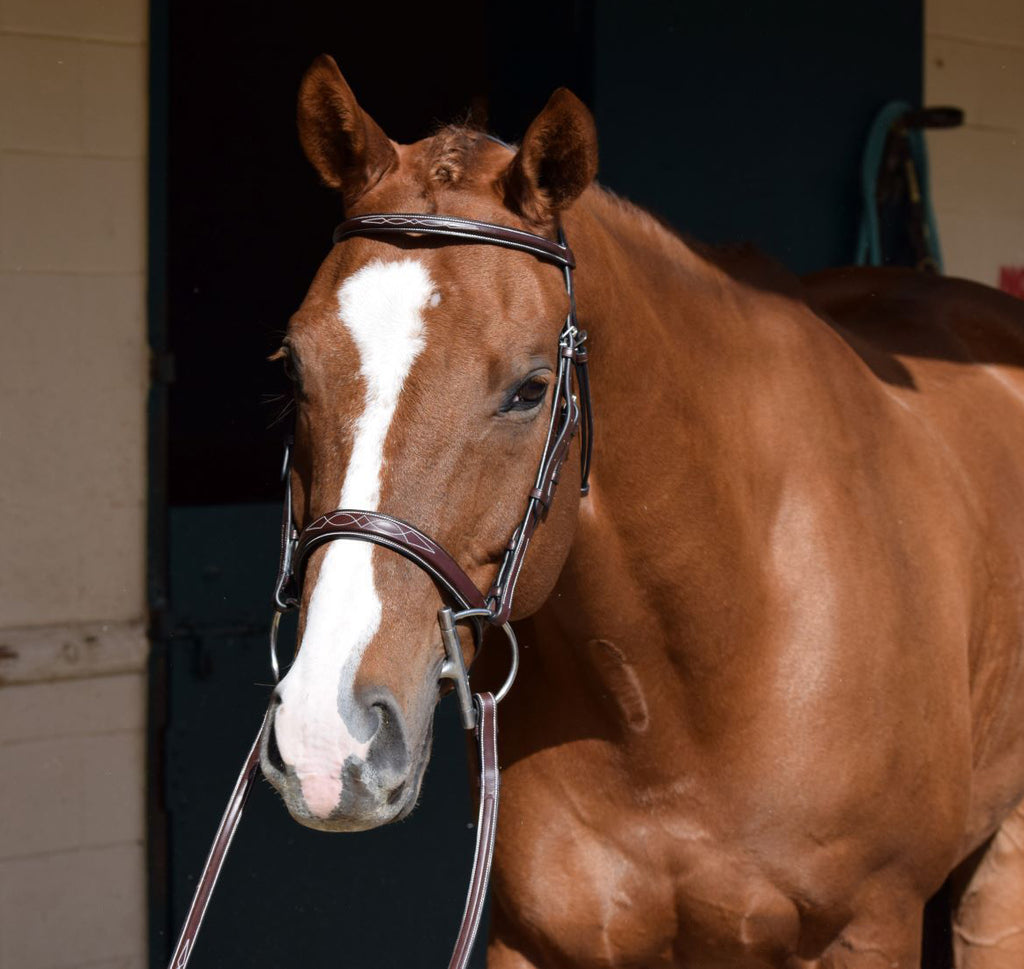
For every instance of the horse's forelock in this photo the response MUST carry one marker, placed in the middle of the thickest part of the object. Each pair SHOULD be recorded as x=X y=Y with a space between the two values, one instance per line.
x=453 y=151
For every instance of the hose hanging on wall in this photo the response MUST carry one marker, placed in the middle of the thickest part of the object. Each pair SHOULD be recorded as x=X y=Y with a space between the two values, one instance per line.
x=898 y=226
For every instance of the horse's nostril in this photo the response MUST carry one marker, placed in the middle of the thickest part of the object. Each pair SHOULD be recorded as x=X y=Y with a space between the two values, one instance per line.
x=396 y=793
x=387 y=748
x=273 y=753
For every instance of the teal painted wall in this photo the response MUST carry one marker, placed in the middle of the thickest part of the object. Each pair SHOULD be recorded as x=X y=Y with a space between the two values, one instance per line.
x=745 y=121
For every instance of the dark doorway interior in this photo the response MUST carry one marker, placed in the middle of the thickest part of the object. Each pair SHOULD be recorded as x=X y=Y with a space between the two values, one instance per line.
x=248 y=223
x=733 y=120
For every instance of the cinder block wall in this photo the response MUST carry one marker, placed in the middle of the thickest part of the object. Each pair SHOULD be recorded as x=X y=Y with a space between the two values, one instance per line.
x=974 y=58
x=73 y=98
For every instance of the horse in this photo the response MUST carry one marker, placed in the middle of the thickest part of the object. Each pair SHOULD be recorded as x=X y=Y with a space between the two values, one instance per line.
x=772 y=685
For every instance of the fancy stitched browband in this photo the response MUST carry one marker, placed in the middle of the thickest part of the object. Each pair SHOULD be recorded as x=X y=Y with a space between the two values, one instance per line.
x=469 y=230
x=569 y=415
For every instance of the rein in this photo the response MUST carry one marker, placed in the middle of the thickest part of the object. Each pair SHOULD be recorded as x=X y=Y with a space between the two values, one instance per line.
x=478 y=712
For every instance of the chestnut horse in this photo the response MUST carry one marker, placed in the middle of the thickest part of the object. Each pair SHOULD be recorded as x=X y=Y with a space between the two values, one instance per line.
x=773 y=690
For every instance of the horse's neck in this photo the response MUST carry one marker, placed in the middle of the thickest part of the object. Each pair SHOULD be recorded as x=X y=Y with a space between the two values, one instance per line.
x=668 y=326
x=670 y=540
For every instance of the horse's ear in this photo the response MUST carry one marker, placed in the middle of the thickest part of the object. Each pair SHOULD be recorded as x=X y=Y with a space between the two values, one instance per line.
x=556 y=161
x=342 y=142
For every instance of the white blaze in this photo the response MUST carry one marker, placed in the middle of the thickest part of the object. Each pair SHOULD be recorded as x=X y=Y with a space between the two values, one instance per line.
x=381 y=308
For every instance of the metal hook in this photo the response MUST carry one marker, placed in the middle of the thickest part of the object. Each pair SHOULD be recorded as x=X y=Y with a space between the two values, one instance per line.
x=286 y=462
x=454 y=667
x=275 y=624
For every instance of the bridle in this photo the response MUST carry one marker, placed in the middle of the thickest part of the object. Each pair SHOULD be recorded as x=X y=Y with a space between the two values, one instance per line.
x=569 y=415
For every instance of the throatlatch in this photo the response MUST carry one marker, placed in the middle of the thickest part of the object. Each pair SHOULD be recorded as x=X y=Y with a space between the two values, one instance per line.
x=569 y=415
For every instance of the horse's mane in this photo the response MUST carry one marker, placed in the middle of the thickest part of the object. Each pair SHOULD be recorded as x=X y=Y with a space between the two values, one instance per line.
x=454 y=148
x=742 y=261
x=747 y=264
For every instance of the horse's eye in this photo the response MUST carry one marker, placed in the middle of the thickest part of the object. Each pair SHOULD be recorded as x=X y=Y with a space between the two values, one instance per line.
x=289 y=368
x=528 y=394
x=288 y=363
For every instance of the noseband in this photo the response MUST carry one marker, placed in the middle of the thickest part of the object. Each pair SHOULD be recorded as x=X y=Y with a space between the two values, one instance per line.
x=569 y=415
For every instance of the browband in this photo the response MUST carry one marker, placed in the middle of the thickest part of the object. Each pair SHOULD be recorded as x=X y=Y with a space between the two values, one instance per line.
x=401 y=223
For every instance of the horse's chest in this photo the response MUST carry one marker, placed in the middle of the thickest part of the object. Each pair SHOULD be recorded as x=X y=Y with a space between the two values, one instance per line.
x=632 y=893
x=581 y=897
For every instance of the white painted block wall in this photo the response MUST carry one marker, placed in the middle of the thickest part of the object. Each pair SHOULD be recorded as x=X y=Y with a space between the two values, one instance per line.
x=73 y=109
x=974 y=58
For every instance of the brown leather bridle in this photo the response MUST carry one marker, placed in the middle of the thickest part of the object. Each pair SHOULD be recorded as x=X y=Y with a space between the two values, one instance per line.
x=569 y=416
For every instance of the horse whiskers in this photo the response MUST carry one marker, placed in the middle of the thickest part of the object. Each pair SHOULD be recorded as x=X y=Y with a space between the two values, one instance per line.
x=288 y=401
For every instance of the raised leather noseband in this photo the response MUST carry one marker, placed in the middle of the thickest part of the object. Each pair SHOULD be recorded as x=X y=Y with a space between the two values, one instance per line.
x=393 y=533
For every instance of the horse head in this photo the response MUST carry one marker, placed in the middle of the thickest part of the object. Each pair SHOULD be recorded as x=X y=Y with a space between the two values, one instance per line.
x=423 y=376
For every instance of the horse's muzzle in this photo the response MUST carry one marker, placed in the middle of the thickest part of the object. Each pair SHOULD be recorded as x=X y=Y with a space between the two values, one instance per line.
x=359 y=790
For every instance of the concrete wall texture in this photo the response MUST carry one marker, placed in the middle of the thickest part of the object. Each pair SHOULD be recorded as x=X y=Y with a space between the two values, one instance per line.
x=73 y=109
x=974 y=58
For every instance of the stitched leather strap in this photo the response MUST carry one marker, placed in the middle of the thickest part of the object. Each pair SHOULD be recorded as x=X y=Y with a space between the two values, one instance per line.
x=486 y=829
x=218 y=852
x=393 y=533
x=409 y=223
x=563 y=426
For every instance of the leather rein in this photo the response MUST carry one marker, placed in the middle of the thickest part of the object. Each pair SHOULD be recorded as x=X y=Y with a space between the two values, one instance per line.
x=569 y=415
